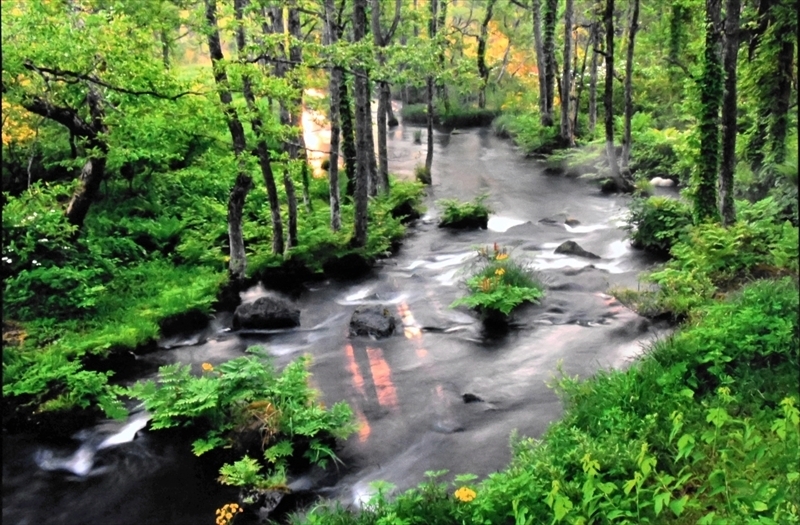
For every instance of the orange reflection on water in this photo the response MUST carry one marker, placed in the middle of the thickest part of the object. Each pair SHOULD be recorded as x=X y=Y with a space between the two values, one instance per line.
x=364 y=430
x=382 y=378
x=422 y=353
x=410 y=327
x=352 y=365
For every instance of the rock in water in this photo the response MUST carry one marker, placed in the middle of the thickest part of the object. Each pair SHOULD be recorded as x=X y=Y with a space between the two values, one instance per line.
x=271 y=311
x=372 y=320
x=662 y=183
x=572 y=248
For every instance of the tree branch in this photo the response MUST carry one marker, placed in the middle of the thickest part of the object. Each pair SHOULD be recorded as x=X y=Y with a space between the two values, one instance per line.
x=71 y=77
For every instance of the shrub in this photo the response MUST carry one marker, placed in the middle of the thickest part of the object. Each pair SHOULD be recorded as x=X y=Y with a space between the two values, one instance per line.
x=245 y=403
x=422 y=174
x=528 y=132
x=325 y=164
x=498 y=284
x=712 y=259
x=657 y=223
x=457 y=214
x=414 y=114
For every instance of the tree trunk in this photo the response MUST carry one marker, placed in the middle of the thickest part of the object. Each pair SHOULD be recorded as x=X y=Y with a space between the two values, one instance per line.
x=550 y=8
x=711 y=89
x=429 y=92
x=596 y=43
x=333 y=91
x=541 y=64
x=626 y=139
x=264 y=160
x=441 y=87
x=237 y=264
x=384 y=102
x=348 y=136
x=92 y=174
x=580 y=79
x=362 y=143
x=729 y=110
x=566 y=124
x=787 y=39
x=608 y=95
x=483 y=71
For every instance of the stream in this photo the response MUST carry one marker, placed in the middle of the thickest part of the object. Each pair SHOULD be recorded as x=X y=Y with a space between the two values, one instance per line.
x=409 y=392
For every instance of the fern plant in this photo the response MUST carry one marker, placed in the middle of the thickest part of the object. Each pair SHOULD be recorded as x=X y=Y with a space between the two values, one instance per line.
x=242 y=398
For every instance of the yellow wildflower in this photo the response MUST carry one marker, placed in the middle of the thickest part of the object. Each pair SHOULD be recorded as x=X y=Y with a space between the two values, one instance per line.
x=207 y=367
x=500 y=271
x=486 y=285
x=465 y=494
x=501 y=256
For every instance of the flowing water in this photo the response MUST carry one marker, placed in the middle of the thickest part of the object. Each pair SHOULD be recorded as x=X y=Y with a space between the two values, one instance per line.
x=441 y=394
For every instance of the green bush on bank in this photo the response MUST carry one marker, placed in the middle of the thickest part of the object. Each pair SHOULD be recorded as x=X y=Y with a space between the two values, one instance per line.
x=457 y=214
x=141 y=259
x=657 y=223
x=702 y=429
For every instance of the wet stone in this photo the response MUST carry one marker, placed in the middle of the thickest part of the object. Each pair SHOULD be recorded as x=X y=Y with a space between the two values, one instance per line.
x=471 y=398
x=573 y=248
x=267 y=312
x=373 y=321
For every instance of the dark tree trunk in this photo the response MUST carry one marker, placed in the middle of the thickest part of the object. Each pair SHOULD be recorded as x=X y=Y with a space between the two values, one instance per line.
x=262 y=150
x=333 y=91
x=362 y=129
x=550 y=8
x=779 y=124
x=483 y=70
x=608 y=95
x=238 y=260
x=92 y=175
x=429 y=92
x=384 y=102
x=597 y=42
x=711 y=89
x=441 y=87
x=566 y=124
x=626 y=139
x=541 y=63
x=729 y=110
x=348 y=136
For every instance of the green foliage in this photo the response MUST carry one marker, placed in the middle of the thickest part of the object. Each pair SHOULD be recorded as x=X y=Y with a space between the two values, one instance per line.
x=659 y=153
x=527 y=131
x=657 y=223
x=243 y=398
x=455 y=213
x=712 y=259
x=498 y=284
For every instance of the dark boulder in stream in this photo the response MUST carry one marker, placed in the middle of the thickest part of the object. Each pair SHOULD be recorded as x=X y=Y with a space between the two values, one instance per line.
x=267 y=312
x=372 y=320
x=573 y=248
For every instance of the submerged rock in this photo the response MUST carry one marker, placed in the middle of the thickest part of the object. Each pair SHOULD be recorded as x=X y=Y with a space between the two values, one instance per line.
x=372 y=320
x=572 y=248
x=271 y=311
x=572 y=222
x=471 y=398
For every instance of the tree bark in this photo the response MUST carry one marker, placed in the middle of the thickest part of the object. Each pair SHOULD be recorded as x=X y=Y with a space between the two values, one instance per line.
x=551 y=6
x=348 y=136
x=597 y=42
x=262 y=150
x=626 y=139
x=711 y=89
x=608 y=95
x=729 y=110
x=362 y=129
x=237 y=264
x=441 y=87
x=541 y=64
x=384 y=102
x=483 y=71
x=429 y=92
x=333 y=92
x=566 y=123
